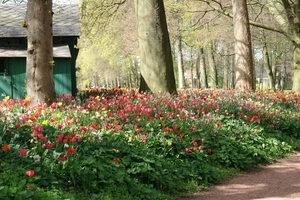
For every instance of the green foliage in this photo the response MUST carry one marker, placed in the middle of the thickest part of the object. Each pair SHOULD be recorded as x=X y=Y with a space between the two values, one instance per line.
x=120 y=144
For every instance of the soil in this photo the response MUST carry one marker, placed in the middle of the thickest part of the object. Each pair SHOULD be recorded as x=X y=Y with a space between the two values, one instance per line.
x=277 y=181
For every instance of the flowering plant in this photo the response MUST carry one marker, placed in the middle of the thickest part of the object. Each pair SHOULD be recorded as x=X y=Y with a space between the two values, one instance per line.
x=141 y=140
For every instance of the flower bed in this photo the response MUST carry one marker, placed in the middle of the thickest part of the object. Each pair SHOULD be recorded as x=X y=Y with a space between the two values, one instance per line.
x=143 y=146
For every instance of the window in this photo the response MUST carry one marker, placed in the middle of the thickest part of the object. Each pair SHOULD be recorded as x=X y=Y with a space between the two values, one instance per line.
x=2 y=65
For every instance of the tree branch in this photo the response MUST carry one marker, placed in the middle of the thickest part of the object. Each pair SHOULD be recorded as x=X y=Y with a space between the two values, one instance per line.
x=221 y=10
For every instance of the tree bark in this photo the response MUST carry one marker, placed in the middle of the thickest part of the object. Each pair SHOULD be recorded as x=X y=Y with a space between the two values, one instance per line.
x=268 y=67
x=243 y=47
x=202 y=69
x=226 y=67
x=39 y=69
x=181 y=80
x=155 y=50
x=213 y=74
x=296 y=33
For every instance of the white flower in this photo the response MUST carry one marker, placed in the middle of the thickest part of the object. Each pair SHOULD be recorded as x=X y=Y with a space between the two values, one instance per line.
x=66 y=145
x=56 y=154
x=37 y=158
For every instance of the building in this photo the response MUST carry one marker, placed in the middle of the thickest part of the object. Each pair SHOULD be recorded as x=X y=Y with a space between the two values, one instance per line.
x=13 y=49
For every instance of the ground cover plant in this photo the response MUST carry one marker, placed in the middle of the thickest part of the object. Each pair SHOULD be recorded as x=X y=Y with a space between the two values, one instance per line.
x=121 y=144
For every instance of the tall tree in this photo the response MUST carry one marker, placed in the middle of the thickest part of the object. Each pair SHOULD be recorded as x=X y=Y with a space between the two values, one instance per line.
x=267 y=64
x=39 y=69
x=202 y=68
x=181 y=78
x=243 y=47
x=213 y=73
x=292 y=14
x=108 y=28
x=287 y=15
x=155 y=50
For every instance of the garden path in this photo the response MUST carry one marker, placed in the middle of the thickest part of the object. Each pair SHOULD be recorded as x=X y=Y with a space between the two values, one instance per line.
x=277 y=181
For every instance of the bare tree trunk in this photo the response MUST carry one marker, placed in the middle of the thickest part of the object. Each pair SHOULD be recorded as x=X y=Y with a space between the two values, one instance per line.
x=197 y=65
x=202 y=69
x=226 y=68
x=268 y=67
x=181 y=80
x=213 y=74
x=155 y=50
x=232 y=72
x=243 y=47
x=191 y=64
x=39 y=66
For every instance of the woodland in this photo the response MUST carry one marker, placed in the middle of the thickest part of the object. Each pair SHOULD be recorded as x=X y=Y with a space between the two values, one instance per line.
x=202 y=41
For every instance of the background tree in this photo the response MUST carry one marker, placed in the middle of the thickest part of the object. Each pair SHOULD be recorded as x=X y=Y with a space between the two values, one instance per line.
x=243 y=47
x=108 y=28
x=287 y=17
x=13 y=1
x=155 y=50
x=39 y=66
x=108 y=44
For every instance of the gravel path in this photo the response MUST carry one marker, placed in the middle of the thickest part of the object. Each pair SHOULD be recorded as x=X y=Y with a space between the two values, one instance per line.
x=278 y=181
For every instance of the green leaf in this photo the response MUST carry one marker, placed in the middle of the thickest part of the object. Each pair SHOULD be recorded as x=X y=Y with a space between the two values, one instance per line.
x=3 y=191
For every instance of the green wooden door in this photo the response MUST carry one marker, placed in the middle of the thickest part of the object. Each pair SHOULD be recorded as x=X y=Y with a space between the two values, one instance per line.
x=4 y=79
x=12 y=81
x=17 y=72
x=62 y=76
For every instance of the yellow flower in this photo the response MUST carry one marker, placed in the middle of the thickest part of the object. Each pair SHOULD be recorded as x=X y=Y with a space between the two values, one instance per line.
x=169 y=144
x=6 y=98
x=116 y=150
x=27 y=98
x=45 y=122
x=130 y=138
x=59 y=104
x=58 y=115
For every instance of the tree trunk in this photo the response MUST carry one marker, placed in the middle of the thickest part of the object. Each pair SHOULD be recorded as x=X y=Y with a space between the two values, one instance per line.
x=226 y=67
x=39 y=69
x=181 y=80
x=243 y=47
x=212 y=66
x=197 y=66
x=296 y=45
x=202 y=69
x=268 y=67
x=232 y=72
x=296 y=76
x=193 y=83
x=155 y=50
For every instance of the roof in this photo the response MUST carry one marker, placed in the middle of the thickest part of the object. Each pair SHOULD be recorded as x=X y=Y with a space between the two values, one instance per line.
x=65 y=20
x=58 y=52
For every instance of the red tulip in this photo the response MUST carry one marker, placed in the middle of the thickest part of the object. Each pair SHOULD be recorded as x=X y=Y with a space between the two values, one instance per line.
x=187 y=149
x=209 y=150
x=22 y=152
x=30 y=172
x=63 y=158
x=6 y=147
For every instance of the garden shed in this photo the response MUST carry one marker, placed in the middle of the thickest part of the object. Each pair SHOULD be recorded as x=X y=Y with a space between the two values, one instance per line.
x=13 y=49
